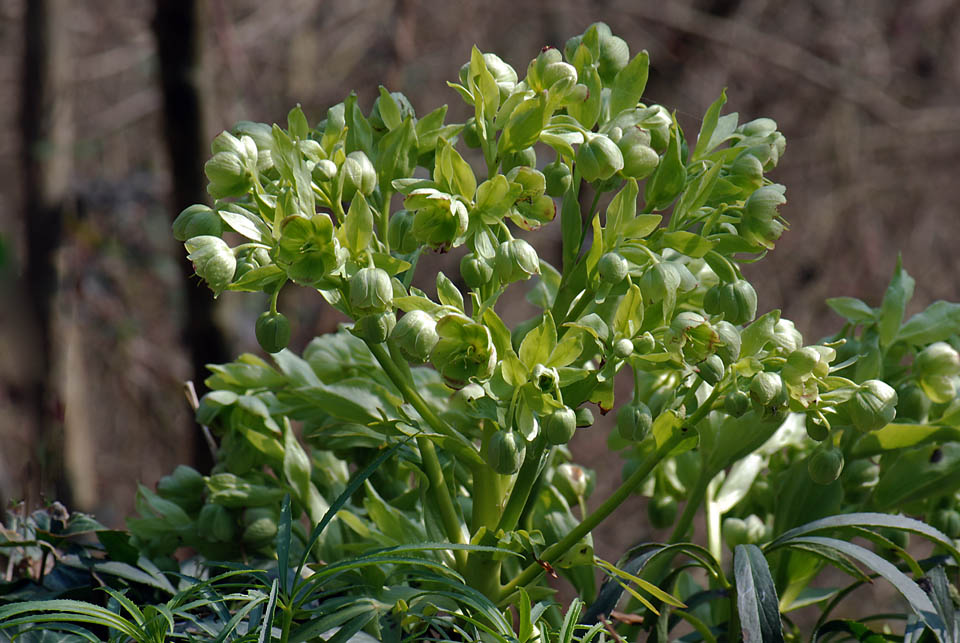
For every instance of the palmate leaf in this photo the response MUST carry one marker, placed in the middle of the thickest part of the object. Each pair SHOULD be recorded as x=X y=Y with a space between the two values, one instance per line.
x=757 y=602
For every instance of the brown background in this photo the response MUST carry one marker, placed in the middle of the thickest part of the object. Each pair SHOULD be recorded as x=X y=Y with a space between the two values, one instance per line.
x=867 y=93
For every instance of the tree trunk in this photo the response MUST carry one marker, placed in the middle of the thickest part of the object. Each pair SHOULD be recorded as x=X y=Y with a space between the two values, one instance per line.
x=46 y=161
x=177 y=28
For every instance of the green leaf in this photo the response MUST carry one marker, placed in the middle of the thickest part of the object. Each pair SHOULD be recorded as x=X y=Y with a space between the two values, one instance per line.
x=448 y=293
x=454 y=171
x=596 y=246
x=258 y=279
x=757 y=602
x=641 y=225
x=396 y=154
x=697 y=192
x=894 y=303
x=483 y=84
x=670 y=176
x=918 y=473
x=525 y=124
x=284 y=528
x=755 y=336
x=429 y=128
x=587 y=112
x=245 y=224
x=852 y=309
x=629 y=83
x=358 y=225
x=297 y=123
x=389 y=110
x=687 y=243
x=708 y=126
x=359 y=132
x=900 y=436
x=296 y=463
x=856 y=629
x=621 y=211
x=539 y=343
x=915 y=596
x=667 y=424
x=498 y=332
x=629 y=316
x=571 y=223
x=937 y=323
x=566 y=351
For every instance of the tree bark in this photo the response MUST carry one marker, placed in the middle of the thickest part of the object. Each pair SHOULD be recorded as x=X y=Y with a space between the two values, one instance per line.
x=177 y=27
x=45 y=121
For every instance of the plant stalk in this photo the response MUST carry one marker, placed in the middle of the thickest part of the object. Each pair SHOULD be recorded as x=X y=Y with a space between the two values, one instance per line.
x=589 y=523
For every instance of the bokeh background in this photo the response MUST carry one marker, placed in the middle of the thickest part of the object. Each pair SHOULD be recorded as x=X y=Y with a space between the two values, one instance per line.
x=107 y=109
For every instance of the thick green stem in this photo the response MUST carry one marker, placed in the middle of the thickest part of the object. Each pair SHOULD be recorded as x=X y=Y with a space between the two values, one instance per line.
x=694 y=500
x=631 y=484
x=526 y=479
x=431 y=463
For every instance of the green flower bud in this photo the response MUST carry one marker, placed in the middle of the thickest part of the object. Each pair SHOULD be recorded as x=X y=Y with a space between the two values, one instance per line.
x=196 y=221
x=825 y=464
x=440 y=218
x=370 y=291
x=612 y=268
x=375 y=328
x=184 y=486
x=400 y=232
x=464 y=350
x=758 y=127
x=913 y=404
x=660 y=279
x=404 y=105
x=260 y=527
x=559 y=77
x=623 y=348
x=584 y=417
x=740 y=531
x=746 y=172
x=759 y=225
x=558 y=178
x=786 y=335
x=767 y=391
x=634 y=422
x=228 y=175
x=662 y=511
x=598 y=158
x=614 y=56
x=273 y=331
x=504 y=74
x=800 y=364
x=639 y=159
x=504 y=452
x=560 y=426
x=736 y=403
x=324 y=170
x=873 y=406
x=538 y=66
x=939 y=388
x=470 y=133
x=816 y=428
x=644 y=344
x=359 y=175
x=572 y=481
x=736 y=301
x=516 y=260
x=262 y=136
x=728 y=347
x=215 y=524
x=937 y=359
x=415 y=336
x=475 y=271
x=526 y=157
x=947 y=521
x=711 y=369
x=213 y=261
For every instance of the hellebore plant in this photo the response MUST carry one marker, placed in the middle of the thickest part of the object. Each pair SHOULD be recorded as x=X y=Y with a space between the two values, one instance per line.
x=733 y=413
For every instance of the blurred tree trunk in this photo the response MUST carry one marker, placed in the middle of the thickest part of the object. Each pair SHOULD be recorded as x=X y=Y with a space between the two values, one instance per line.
x=177 y=27
x=45 y=115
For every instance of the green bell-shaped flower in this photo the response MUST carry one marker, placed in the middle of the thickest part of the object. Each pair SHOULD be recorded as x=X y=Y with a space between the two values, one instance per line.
x=475 y=270
x=375 y=328
x=598 y=158
x=215 y=524
x=439 y=220
x=560 y=425
x=196 y=221
x=825 y=464
x=711 y=369
x=873 y=406
x=516 y=260
x=759 y=224
x=612 y=268
x=504 y=452
x=370 y=291
x=213 y=261
x=767 y=392
x=400 y=232
x=358 y=175
x=728 y=347
x=639 y=158
x=415 y=336
x=935 y=367
x=273 y=331
x=736 y=301
x=634 y=421
x=464 y=351
x=308 y=250
x=558 y=178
